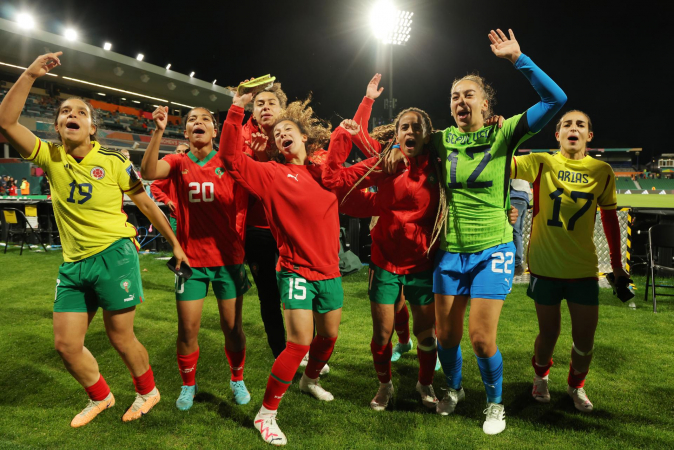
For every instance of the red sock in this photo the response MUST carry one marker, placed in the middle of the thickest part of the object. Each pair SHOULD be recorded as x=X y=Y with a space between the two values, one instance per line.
x=541 y=371
x=187 y=364
x=319 y=354
x=282 y=373
x=236 y=362
x=402 y=325
x=99 y=390
x=381 y=356
x=427 y=361
x=144 y=383
x=575 y=380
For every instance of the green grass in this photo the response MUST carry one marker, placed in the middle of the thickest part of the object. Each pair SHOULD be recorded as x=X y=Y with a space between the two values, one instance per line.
x=630 y=381
x=651 y=200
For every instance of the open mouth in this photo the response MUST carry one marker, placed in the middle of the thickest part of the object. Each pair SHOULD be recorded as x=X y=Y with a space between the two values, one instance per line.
x=462 y=115
x=410 y=143
x=287 y=144
x=72 y=126
x=198 y=131
x=573 y=138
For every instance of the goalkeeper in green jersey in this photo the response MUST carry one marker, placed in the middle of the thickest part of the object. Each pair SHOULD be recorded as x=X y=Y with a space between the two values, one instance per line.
x=476 y=255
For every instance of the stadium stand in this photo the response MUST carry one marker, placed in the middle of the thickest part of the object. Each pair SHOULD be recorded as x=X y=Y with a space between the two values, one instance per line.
x=624 y=183
x=657 y=183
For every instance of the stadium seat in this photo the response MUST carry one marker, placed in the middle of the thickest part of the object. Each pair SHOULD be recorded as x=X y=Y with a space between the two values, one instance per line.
x=660 y=243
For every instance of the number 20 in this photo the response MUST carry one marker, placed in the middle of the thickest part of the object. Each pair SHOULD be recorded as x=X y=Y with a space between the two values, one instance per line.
x=205 y=189
x=500 y=259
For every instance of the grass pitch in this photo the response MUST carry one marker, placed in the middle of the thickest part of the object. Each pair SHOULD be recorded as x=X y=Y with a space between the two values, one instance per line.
x=630 y=381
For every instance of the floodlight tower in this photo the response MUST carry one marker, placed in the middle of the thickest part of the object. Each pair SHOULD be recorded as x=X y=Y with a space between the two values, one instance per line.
x=391 y=27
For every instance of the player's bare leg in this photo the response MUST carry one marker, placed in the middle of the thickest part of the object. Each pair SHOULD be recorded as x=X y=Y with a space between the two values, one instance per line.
x=584 y=320
x=482 y=328
x=187 y=348
x=69 y=331
x=231 y=323
x=119 y=327
x=402 y=327
x=382 y=331
x=327 y=328
x=549 y=327
x=427 y=351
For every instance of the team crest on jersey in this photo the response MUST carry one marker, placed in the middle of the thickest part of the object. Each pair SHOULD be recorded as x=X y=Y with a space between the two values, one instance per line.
x=97 y=173
x=184 y=172
x=219 y=171
x=125 y=284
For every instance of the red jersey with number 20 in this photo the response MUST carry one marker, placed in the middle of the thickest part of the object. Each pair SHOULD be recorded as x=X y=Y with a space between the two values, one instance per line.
x=212 y=210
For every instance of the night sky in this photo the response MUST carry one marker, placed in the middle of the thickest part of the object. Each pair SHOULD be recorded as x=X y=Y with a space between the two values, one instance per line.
x=611 y=60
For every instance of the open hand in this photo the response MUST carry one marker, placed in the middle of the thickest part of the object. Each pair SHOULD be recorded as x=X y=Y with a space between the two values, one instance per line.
x=392 y=160
x=373 y=90
x=494 y=119
x=504 y=47
x=351 y=126
x=43 y=64
x=258 y=143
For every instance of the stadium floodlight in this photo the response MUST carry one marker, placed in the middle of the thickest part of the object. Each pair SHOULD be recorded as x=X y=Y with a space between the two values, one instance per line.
x=70 y=34
x=191 y=74
x=123 y=98
x=389 y=24
x=135 y=101
x=115 y=89
x=140 y=57
x=214 y=81
x=168 y=66
x=107 y=46
x=101 y=94
x=181 y=104
x=26 y=21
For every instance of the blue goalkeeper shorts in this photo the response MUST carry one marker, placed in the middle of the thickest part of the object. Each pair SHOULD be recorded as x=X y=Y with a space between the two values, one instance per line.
x=485 y=274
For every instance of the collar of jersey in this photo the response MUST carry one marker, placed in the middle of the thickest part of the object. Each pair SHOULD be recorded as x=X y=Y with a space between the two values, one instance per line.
x=93 y=150
x=572 y=161
x=191 y=156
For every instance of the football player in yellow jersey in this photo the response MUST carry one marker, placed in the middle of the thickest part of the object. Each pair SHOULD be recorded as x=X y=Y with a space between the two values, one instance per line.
x=101 y=265
x=568 y=188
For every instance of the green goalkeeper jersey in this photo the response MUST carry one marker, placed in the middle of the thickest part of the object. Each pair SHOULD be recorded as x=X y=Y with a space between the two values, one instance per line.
x=476 y=170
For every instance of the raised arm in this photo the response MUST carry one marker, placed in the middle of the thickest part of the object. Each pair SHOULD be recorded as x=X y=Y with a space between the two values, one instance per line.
x=365 y=173
x=552 y=96
x=20 y=137
x=369 y=146
x=256 y=177
x=151 y=168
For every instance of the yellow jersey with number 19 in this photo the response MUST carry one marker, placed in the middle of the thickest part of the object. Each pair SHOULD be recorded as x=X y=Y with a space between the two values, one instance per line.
x=87 y=196
x=566 y=195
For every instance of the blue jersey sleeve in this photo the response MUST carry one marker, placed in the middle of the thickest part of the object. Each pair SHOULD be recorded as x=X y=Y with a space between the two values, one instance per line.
x=552 y=96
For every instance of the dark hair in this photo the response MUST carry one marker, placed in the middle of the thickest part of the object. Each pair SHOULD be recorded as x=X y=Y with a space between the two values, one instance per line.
x=278 y=92
x=93 y=113
x=186 y=116
x=386 y=133
x=487 y=91
x=589 y=121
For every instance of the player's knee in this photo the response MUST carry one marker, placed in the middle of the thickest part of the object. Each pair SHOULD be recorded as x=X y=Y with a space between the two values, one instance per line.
x=426 y=338
x=549 y=334
x=483 y=344
x=122 y=342
x=67 y=348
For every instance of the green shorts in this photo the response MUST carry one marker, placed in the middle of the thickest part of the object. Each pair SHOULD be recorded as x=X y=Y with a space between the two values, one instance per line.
x=228 y=282
x=384 y=287
x=551 y=292
x=174 y=224
x=109 y=279
x=321 y=296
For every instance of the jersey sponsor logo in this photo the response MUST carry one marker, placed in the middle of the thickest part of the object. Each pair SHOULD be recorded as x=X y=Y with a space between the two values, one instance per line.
x=130 y=298
x=132 y=173
x=294 y=177
x=219 y=171
x=97 y=173
x=125 y=284
x=469 y=138
x=572 y=177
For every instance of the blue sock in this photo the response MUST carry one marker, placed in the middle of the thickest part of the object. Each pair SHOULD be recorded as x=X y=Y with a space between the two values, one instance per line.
x=452 y=362
x=491 y=370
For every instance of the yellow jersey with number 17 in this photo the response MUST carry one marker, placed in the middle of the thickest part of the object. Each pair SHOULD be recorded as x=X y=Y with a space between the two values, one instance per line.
x=87 y=196
x=566 y=195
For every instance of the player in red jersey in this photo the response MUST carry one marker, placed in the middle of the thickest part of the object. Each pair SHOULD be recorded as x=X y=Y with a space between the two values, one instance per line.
x=212 y=212
x=296 y=204
x=402 y=250
x=164 y=191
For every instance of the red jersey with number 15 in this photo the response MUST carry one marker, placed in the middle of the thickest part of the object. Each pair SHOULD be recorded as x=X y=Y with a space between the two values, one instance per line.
x=212 y=210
